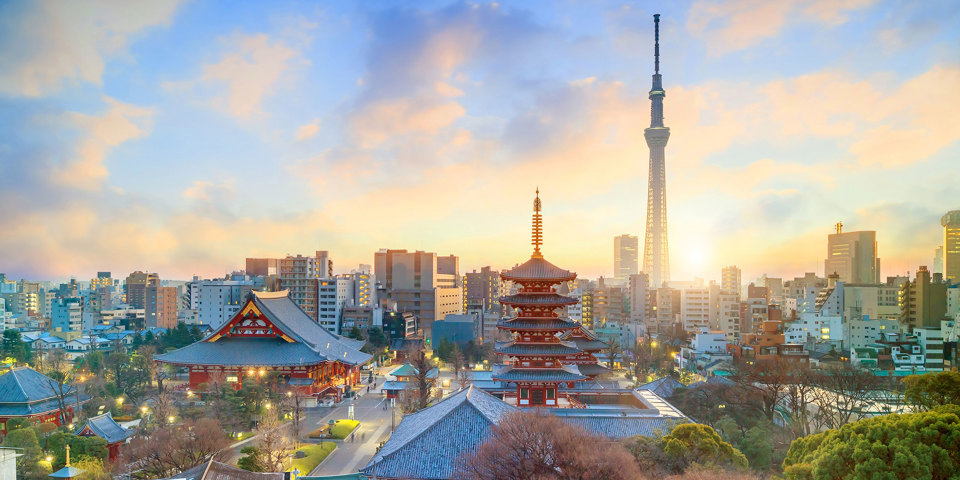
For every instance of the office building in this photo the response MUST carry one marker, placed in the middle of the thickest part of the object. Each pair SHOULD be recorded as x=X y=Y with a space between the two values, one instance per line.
x=625 y=257
x=262 y=267
x=332 y=295
x=483 y=289
x=609 y=304
x=695 y=308
x=853 y=256
x=730 y=281
x=422 y=283
x=67 y=314
x=640 y=301
x=300 y=276
x=161 y=307
x=668 y=309
x=923 y=301
x=951 y=245
x=135 y=288
x=216 y=301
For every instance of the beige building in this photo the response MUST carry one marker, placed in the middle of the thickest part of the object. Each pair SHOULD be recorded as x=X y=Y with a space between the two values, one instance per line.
x=136 y=285
x=853 y=256
x=301 y=275
x=730 y=280
x=923 y=302
x=951 y=245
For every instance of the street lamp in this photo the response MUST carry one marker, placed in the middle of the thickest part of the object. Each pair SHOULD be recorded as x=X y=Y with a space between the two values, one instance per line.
x=49 y=458
x=120 y=401
x=268 y=405
x=170 y=419
x=143 y=409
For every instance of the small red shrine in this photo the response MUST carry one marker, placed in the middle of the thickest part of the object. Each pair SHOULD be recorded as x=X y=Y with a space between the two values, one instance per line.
x=539 y=359
x=271 y=333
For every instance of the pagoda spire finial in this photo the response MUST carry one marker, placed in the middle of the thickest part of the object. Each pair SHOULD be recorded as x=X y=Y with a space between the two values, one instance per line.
x=68 y=456
x=537 y=235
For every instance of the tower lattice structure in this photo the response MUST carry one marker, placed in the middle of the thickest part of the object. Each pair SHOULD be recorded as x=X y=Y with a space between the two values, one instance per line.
x=656 y=255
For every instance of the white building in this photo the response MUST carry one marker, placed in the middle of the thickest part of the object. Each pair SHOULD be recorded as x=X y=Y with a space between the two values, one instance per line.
x=332 y=294
x=820 y=328
x=695 y=308
x=865 y=331
x=216 y=301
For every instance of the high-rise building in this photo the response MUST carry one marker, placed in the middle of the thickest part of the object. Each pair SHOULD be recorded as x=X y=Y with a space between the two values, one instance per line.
x=923 y=301
x=609 y=304
x=217 y=301
x=625 y=257
x=421 y=283
x=300 y=276
x=483 y=289
x=695 y=308
x=135 y=287
x=161 y=306
x=938 y=260
x=641 y=305
x=730 y=280
x=656 y=256
x=262 y=267
x=951 y=245
x=853 y=256
x=67 y=314
x=668 y=309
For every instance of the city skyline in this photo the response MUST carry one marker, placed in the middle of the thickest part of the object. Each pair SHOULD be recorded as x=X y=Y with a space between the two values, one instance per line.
x=183 y=138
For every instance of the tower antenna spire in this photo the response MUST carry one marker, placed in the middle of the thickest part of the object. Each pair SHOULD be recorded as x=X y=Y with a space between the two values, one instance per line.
x=537 y=234
x=656 y=43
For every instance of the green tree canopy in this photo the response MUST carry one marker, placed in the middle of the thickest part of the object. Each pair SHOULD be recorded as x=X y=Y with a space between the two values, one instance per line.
x=701 y=444
x=923 y=446
x=356 y=333
x=932 y=390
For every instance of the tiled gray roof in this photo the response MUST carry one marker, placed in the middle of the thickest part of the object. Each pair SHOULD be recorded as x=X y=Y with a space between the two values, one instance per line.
x=213 y=470
x=517 y=348
x=538 y=299
x=527 y=324
x=507 y=373
x=105 y=427
x=617 y=426
x=25 y=385
x=588 y=345
x=538 y=269
x=313 y=343
x=427 y=444
x=233 y=351
x=663 y=387
x=592 y=369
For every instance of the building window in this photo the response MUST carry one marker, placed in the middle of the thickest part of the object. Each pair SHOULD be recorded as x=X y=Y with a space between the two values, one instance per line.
x=524 y=393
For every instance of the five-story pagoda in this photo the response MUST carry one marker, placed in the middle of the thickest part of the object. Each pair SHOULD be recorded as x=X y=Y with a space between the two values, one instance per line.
x=533 y=357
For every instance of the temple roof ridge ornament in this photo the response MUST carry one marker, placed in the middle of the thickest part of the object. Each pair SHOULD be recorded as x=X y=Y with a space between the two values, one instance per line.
x=537 y=234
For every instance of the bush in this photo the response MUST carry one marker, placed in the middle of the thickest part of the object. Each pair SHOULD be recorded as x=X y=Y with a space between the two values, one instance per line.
x=124 y=418
x=916 y=445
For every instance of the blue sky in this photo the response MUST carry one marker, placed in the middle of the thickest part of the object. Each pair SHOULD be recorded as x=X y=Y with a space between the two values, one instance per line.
x=182 y=137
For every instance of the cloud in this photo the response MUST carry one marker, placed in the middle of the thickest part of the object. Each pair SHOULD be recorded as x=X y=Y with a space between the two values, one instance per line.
x=47 y=45
x=86 y=168
x=250 y=69
x=734 y=25
x=307 y=130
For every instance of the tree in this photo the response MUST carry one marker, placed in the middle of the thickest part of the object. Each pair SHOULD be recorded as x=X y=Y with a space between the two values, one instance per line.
x=757 y=446
x=14 y=346
x=59 y=374
x=614 y=351
x=93 y=469
x=457 y=361
x=172 y=449
x=295 y=404
x=25 y=439
x=443 y=349
x=376 y=337
x=356 y=333
x=423 y=384
x=844 y=395
x=931 y=390
x=541 y=446
x=80 y=448
x=916 y=445
x=272 y=443
x=766 y=381
x=695 y=443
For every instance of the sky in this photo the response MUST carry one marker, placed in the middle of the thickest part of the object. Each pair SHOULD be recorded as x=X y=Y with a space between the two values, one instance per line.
x=183 y=136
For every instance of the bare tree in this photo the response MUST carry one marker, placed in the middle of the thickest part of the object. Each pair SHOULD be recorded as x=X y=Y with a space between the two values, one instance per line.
x=798 y=398
x=295 y=402
x=615 y=351
x=58 y=372
x=845 y=394
x=272 y=443
x=464 y=378
x=766 y=380
x=457 y=361
x=541 y=446
x=172 y=449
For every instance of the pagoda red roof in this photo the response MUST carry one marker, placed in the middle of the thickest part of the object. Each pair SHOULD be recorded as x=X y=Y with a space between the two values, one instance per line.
x=538 y=268
x=538 y=299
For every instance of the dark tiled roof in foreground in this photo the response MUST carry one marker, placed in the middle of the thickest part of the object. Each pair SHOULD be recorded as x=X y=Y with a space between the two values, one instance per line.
x=663 y=387
x=517 y=348
x=212 y=470
x=428 y=443
x=538 y=269
x=105 y=427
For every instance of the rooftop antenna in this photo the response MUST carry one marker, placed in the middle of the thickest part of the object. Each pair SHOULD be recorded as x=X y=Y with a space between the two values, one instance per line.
x=656 y=43
x=839 y=226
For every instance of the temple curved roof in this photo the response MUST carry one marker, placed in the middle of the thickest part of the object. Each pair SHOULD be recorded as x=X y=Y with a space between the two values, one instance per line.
x=527 y=323
x=538 y=299
x=522 y=348
x=537 y=268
